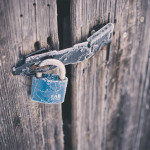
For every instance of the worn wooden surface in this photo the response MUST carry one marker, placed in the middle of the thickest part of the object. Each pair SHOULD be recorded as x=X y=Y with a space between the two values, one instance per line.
x=25 y=124
x=111 y=94
x=88 y=82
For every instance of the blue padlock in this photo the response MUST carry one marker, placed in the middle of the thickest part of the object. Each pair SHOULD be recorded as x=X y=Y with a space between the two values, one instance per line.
x=49 y=88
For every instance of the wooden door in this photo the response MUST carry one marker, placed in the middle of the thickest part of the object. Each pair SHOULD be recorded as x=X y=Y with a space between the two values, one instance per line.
x=24 y=124
x=111 y=91
x=108 y=96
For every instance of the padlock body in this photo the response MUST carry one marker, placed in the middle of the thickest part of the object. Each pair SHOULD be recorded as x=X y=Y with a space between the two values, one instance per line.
x=48 y=89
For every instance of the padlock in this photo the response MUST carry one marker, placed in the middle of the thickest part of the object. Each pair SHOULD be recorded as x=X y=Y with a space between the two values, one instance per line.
x=49 y=88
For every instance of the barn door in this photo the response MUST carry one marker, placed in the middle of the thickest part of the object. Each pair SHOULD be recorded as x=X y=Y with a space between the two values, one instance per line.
x=26 y=26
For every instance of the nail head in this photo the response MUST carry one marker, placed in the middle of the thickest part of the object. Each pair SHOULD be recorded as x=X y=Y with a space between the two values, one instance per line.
x=124 y=34
x=142 y=19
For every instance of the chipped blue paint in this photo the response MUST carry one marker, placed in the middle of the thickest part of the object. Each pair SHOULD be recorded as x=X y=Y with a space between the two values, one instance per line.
x=48 y=89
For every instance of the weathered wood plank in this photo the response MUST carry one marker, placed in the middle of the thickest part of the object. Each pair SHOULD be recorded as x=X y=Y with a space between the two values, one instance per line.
x=110 y=100
x=87 y=115
x=88 y=79
x=25 y=124
x=129 y=78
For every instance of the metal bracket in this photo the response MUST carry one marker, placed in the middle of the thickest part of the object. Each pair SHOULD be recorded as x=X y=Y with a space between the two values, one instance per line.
x=28 y=65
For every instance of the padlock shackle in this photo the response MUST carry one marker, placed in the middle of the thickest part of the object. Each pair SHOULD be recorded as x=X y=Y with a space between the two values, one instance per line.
x=53 y=62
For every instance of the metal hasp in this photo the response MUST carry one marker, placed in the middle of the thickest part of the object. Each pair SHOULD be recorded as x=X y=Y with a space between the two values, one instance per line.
x=73 y=55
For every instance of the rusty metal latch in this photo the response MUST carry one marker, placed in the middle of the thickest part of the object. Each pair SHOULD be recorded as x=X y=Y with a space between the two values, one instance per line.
x=28 y=65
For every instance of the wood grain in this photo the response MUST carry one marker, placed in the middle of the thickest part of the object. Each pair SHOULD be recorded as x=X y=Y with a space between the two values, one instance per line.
x=129 y=78
x=89 y=80
x=110 y=91
x=25 y=124
x=110 y=97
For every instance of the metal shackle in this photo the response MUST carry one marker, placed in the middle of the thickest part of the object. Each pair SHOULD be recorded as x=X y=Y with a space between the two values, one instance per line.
x=53 y=62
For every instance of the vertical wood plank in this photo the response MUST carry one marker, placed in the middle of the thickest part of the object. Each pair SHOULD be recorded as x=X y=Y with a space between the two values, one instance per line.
x=88 y=79
x=25 y=124
x=128 y=90
x=110 y=104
